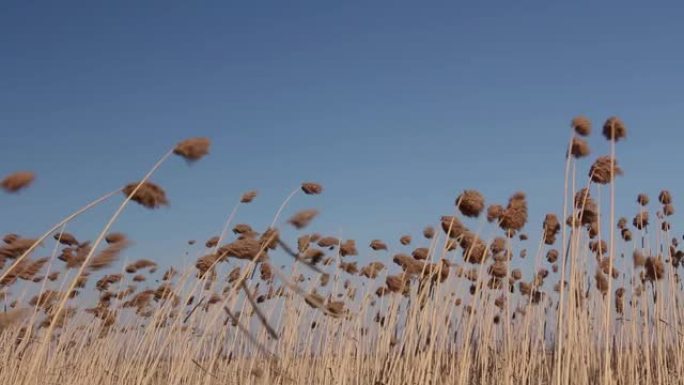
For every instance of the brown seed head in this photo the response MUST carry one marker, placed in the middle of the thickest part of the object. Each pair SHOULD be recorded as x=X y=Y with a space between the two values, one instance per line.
x=642 y=199
x=193 y=149
x=640 y=220
x=377 y=244
x=515 y=215
x=470 y=203
x=655 y=268
x=405 y=240
x=328 y=242
x=494 y=212
x=600 y=171
x=581 y=125
x=248 y=196
x=614 y=129
x=17 y=181
x=312 y=188
x=148 y=195
x=65 y=239
x=348 y=247
x=421 y=253
x=601 y=282
x=551 y=228
x=498 y=269
x=303 y=218
x=665 y=197
x=552 y=255
x=452 y=226
x=638 y=258
x=579 y=148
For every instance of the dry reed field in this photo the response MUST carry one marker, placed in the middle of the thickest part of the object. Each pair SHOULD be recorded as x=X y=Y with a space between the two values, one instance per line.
x=594 y=301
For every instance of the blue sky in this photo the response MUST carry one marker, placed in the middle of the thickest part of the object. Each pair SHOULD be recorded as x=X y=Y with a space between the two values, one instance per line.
x=395 y=107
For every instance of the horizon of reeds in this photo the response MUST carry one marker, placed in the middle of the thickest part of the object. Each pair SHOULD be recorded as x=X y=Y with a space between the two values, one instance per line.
x=596 y=302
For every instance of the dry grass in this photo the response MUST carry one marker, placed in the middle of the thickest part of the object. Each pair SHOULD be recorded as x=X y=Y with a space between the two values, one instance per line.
x=475 y=302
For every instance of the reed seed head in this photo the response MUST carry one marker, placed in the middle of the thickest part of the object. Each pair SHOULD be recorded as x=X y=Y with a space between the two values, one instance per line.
x=17 y=181
x=193 y=149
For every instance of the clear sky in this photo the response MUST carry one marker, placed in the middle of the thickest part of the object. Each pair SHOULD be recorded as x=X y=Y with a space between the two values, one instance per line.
x=395 y=107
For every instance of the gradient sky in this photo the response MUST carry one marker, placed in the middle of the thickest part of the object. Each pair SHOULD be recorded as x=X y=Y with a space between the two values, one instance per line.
x=395 y=107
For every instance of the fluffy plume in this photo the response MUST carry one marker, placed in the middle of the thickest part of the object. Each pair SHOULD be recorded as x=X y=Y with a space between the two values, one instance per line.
x=107 y=256
x=640 y=220
x=579 y=148
x=303 y=218
x=552 y=255
x=470 y=203
x=498 y=269
x=475 y=250
x=642 y=199
x=452 y=226
x=115 y=237
x=601 y=282
x=638 y=258
x=515 y=215
x=348 y=247
x=614 y=129
x=312 y=188
x=600 y=171
x=248 y=196
x=242 y=228
x=148 y=195
x=377 y=244
x=421 y=253
x=17 y=181
x=551 y=229
x=328 y=242
x=581 y=125
x=193 y=149
x=65 y=239
x=655 y=268
x=665 y=197
x=494 y=212
x=211 y=242
x=372 y=269
x=246 y=248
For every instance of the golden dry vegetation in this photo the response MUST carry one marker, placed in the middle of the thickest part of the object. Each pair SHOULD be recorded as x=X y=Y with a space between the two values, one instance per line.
x=594 y=301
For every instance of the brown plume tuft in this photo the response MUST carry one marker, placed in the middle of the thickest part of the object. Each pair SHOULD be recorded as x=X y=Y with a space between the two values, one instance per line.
x=312 y=188
x=600 y=171
x=470 y=203
x=515 y=215
x=640 y=220
x=665 y=197
x=108 y=256
x=248 y=196
x=148 y=195
x=614 y=129
x=581 y=125
x=579 y=148
x=377 y=244
x=655 y=268
x=193 y=149
x=303 y=218
x=17 y=181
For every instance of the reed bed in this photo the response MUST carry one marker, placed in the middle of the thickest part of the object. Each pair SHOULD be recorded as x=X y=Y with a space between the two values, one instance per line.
x=589 y=297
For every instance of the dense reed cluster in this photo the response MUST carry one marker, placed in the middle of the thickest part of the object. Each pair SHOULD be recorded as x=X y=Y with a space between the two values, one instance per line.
x=587 y=297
